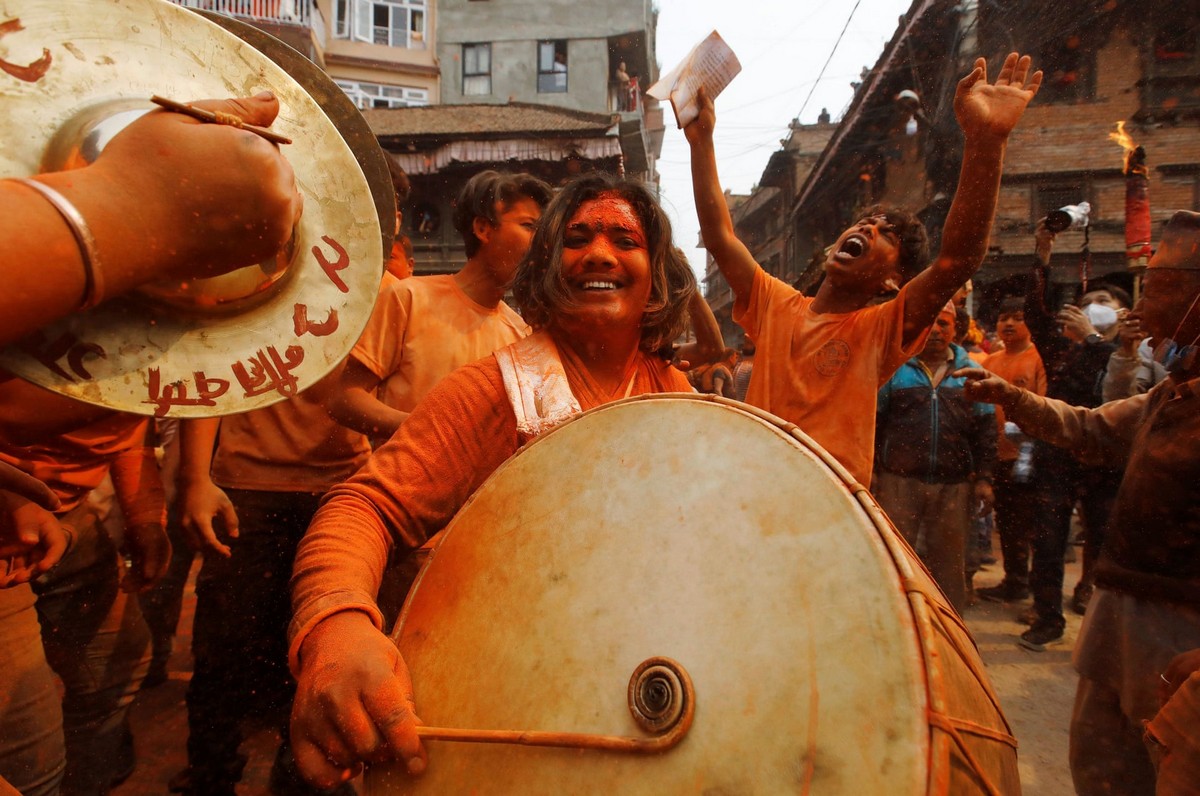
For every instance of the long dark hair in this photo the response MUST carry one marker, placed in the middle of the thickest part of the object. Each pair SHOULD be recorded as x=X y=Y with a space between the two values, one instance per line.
x=541 y=292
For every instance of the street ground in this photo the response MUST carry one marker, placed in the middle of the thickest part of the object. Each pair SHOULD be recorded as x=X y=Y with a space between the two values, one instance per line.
x=1036 y=690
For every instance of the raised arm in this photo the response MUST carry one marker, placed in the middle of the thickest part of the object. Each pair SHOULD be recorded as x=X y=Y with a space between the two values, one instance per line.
x=710 y=344
x=987 y=113
x=716 y=225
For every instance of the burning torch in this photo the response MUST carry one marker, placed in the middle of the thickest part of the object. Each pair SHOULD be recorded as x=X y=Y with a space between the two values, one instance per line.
x=1137 y=201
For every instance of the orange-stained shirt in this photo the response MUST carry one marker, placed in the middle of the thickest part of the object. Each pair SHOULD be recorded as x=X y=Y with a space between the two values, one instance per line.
x=823 y=371
x=413 y=485
x=291 y=446
x=1026 y=371
x=75 y=461
x=425 y=327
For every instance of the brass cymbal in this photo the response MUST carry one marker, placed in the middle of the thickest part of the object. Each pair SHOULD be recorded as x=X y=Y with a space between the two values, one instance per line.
x=210 y=347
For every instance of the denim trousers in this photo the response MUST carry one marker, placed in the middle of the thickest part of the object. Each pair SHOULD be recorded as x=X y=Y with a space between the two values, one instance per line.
x=93 y=636
x=32 y=757
x=97 y=642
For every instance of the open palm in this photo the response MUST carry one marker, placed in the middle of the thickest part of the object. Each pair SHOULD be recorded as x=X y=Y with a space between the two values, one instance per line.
x=993 y=109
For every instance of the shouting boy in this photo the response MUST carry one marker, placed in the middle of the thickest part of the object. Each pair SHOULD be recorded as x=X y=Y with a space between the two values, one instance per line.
x=823 y=358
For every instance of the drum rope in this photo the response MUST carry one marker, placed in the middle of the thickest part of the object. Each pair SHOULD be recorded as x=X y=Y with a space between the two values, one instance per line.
x=939 y=618
x=946 y=725
x=984 y=732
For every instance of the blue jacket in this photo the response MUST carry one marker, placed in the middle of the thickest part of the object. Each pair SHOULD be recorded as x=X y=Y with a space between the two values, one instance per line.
x=936 y=435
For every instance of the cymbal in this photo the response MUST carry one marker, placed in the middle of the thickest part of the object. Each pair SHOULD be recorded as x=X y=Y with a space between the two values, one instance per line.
x=209 y=347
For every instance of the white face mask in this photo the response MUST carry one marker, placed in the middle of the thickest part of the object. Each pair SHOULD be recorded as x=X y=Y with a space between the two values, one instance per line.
x=1102 y=317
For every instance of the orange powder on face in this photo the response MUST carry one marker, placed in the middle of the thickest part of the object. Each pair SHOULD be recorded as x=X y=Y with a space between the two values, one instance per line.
x=608 y=212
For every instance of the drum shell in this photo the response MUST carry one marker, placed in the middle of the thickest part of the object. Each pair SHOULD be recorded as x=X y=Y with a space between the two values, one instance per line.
x=823 y=656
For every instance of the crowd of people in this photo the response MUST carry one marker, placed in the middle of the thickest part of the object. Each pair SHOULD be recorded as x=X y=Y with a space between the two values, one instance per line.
x=307 y=512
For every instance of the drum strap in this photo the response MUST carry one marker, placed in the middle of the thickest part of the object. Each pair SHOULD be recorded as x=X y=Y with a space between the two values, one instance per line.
x=536 y=384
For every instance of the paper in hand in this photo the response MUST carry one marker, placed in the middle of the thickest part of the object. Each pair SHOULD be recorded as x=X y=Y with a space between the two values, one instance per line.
x=710 y=64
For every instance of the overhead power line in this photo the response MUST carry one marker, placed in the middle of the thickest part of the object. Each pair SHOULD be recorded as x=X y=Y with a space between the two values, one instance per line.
x=830 y=58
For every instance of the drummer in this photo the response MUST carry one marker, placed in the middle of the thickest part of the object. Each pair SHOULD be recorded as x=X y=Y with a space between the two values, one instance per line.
x=605 y=291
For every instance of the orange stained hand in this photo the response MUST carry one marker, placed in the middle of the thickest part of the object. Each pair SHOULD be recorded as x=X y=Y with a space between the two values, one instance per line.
x=986 y=387
x=222 y=198
x=202 y=503
x=701 y=128
x=354 y=702
x=992 y=110
x=31 y=540
x=149 y=553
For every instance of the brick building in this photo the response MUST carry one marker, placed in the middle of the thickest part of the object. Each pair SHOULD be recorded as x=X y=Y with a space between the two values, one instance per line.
x=1105 y=61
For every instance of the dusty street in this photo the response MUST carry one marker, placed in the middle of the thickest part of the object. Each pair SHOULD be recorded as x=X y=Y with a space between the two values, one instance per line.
x=1036 y=690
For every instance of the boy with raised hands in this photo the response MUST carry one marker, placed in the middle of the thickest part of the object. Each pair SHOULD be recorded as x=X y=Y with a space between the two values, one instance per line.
x=822 y=359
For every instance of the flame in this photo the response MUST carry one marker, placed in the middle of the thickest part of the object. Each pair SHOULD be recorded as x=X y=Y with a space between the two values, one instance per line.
x=1133 y=163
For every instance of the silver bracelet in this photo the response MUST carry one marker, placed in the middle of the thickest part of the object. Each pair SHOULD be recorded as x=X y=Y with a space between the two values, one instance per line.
x=93 y=275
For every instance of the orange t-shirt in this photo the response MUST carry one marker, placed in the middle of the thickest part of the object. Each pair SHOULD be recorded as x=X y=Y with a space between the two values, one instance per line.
x=422 y=329
x=823 y=371
x=291 y=446
x=1026 y=371
x=415 y=484
x=74 y=462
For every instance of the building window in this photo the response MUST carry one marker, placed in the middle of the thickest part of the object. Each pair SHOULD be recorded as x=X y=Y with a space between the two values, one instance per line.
x=552 y=66
x=394 y=23
x=1069 y=68
x=376 y=95
x=477 y=70
x=1172 y=72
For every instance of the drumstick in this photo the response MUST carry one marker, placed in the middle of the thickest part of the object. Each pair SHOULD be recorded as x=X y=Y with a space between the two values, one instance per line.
x=567 y=740
x=218 y=118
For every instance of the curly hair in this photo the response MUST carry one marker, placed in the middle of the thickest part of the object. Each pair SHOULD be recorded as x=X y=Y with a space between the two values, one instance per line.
x=485 y=192
x=541 y=292
x=914 y=241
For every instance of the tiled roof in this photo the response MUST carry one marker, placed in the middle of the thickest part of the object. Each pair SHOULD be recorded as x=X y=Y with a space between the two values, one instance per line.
x=516 y=119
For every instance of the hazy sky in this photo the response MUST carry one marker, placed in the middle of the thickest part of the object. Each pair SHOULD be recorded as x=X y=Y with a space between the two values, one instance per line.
x=782 y=45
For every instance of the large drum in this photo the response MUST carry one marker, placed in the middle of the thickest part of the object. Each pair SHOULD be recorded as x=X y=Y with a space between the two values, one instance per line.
x=821 y=656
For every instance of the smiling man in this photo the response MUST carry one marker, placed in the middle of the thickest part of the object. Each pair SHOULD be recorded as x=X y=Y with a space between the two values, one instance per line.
x=822 y=359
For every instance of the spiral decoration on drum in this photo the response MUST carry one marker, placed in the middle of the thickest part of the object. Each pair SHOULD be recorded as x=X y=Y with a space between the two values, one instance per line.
x=659 y=693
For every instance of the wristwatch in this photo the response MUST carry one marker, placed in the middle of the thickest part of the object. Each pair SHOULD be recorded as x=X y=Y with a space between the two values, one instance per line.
x=1094 y=338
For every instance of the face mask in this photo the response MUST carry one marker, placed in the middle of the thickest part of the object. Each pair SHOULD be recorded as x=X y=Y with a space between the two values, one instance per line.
x=1176 y=358
x=1102 y=317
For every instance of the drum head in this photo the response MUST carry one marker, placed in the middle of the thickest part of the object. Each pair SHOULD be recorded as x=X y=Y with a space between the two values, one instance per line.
x=680 y=527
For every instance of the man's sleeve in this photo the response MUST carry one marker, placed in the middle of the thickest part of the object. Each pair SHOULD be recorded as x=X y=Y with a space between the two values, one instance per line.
x=137 y=482
x=1120 y=377
x=381 y=347
x=1093 y=436
x=408 y=490
x=1043 y=328
x=886 y=329
x=765 y=291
